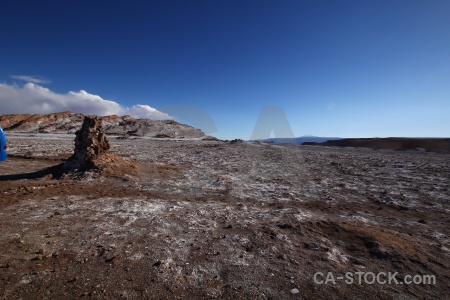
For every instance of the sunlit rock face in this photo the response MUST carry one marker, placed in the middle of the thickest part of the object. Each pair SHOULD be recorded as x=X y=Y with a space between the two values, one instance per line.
x=92 y=150
x=91 y=145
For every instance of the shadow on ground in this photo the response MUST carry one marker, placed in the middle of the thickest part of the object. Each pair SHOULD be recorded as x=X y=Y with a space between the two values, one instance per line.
x=54 y=171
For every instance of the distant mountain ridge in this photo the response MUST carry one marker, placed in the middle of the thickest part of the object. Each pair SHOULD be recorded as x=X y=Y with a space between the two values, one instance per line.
x=394 y=143
x=68 y=122
x=300 y=140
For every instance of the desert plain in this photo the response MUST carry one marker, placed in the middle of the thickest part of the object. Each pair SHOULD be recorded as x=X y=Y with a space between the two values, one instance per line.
x=206 y=219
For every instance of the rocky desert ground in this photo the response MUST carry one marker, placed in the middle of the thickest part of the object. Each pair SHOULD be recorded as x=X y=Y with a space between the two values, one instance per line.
x=222 y=220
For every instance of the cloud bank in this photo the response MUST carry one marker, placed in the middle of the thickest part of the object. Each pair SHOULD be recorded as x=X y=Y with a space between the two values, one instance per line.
x=32 y=98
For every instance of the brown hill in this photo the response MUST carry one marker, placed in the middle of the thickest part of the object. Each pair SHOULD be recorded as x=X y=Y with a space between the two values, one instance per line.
x=68 y=122
x=395 y=143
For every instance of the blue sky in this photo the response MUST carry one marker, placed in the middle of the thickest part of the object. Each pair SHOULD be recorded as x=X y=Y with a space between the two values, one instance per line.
x=337 y=68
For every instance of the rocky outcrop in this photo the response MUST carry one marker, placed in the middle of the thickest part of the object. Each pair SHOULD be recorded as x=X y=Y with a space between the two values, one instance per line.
x=67 y=122
x=92 y=151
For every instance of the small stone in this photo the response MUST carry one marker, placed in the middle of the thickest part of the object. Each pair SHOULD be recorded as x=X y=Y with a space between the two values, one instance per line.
x=42 y=251
x=157 y=264
x=295 y=291
x=72 y=280
x=40 y=257
x=282 y=256
x=285 y=226
x=311 y=246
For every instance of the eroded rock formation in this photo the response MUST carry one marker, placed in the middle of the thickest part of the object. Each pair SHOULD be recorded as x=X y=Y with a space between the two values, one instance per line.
x=92 y=151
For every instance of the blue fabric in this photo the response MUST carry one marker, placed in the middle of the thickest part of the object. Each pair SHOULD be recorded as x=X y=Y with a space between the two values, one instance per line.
x=2 y=145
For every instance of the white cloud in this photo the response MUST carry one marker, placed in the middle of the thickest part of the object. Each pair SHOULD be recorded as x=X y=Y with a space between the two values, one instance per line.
x=34 y=99
x=32 y=79
x=146 y=111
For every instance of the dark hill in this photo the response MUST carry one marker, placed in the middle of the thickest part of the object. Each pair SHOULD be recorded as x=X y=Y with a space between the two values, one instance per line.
x=394 y=143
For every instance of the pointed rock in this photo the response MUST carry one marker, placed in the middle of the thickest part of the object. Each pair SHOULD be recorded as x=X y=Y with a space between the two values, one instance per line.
x=92 y=151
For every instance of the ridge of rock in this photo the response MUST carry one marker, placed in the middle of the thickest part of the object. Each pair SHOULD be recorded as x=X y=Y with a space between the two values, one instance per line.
x=68 y=122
